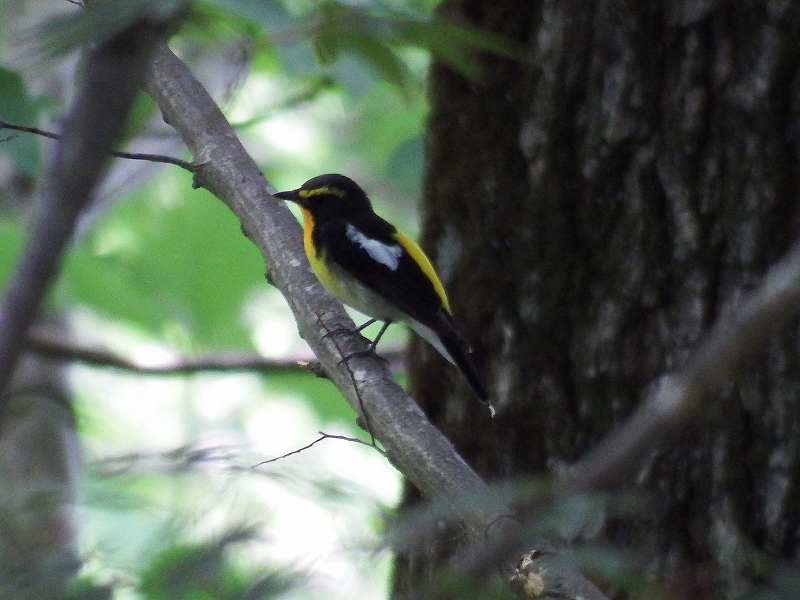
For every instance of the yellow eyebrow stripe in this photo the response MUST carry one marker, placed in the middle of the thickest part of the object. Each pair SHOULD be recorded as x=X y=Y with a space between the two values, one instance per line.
x=321 y=191
x=419 y=257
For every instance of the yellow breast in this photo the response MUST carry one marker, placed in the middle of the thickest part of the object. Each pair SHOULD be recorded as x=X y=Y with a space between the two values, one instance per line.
x=343 y=285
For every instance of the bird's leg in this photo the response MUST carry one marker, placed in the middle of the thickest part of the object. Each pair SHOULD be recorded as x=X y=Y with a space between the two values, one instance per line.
x=363 y=326
x=380 y=334
x=373 y=343
x=344 y=330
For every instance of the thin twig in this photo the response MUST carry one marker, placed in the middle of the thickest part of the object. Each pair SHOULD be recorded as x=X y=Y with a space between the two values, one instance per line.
x=60 y=348
x=26 y=129
x=159 y=158
x=322 y=436
x=362 y=410
x=218 y=362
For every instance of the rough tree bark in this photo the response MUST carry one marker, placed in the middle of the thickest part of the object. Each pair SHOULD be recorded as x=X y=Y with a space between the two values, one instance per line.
x=591 y=212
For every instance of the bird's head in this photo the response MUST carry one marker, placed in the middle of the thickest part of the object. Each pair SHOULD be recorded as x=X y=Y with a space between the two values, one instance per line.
x=329 y=196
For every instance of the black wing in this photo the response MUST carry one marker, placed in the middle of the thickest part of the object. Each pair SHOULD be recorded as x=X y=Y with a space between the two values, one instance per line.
x=405 y=286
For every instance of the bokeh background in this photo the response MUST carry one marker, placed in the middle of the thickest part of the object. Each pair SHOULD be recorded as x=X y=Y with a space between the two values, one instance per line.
x=168 y=472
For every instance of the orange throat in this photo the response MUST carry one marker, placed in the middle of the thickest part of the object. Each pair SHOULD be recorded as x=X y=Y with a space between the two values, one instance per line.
x=308 y=228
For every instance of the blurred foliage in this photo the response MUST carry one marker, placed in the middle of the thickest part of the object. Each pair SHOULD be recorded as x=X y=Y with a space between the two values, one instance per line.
x=374 y=33
x=177 y=269
x=181 y=265
x=174 y=560
x=314 y=86
x=188 y=571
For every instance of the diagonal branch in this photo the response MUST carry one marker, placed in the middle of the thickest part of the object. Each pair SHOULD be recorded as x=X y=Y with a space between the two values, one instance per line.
x=225 y=169
x=111 y=75
x=415 y=446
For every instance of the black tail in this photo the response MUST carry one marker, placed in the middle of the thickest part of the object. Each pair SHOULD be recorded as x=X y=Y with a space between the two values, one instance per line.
x=459 y=352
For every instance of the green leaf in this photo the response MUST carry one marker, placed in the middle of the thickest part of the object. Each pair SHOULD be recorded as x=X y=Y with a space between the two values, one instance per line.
x=19 y=108
x=382 y=57
x=370 y=33
x=187 y=571
x=378 y=37
x=204 y=571
x=85 y=588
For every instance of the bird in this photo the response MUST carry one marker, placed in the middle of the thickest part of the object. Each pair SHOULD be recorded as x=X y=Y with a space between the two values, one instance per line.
x=373 y=267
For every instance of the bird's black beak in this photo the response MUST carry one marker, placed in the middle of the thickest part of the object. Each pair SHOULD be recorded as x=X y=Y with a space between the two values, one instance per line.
x=291 y=196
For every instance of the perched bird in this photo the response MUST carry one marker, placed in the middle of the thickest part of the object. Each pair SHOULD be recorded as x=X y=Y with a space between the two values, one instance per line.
x=373 y=267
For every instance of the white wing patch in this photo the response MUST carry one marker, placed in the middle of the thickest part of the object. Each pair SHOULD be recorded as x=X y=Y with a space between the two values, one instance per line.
x=386 y=254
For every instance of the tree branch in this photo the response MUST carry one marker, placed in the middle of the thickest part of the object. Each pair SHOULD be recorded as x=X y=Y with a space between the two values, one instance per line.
x=63 y=349
x=160 y=158
x=111 y=76
x=415 y=446
x=322 y=436
x=60 y=348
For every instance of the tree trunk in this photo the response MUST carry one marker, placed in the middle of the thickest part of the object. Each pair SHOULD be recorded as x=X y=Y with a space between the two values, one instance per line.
x=592 y=209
